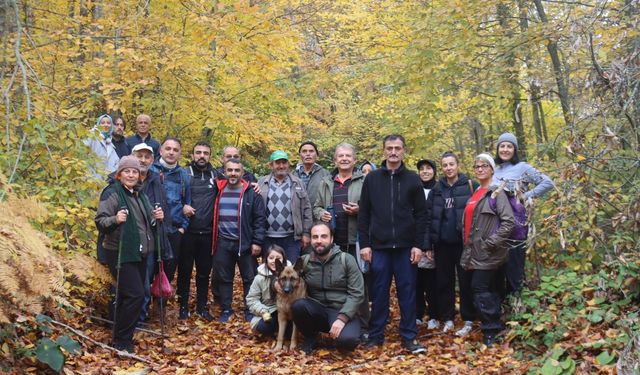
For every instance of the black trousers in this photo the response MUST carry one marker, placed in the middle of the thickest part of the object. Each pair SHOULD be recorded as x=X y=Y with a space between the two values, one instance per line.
x=195 y=248
x=170 y=266
x=447 y=258
x=311 y=318
x=487 y=300
x=224 y=264
x=130 y=293
x=426 y=292
x=511 y=274
x=364 y=312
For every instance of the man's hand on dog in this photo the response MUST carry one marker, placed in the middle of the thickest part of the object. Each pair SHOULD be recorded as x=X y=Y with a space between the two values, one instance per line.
x=336 y=328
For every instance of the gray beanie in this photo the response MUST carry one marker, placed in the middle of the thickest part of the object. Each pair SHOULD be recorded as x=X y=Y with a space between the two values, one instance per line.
x=508 y=137
x=488 y=158
x=128 y=161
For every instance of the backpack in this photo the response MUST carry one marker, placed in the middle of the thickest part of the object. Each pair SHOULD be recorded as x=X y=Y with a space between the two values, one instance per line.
x=521 y=229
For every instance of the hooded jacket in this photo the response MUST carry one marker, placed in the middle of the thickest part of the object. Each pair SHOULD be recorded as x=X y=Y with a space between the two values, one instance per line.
x=325 y=199
x=203 y=195
x=446 y=224
x=487 y=247
x=251 y=216
x=335 y=283
x=393 y=211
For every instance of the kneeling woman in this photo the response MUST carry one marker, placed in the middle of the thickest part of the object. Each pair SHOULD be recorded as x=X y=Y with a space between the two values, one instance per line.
x=128 y=222
x=261 y=299
x=488 y=222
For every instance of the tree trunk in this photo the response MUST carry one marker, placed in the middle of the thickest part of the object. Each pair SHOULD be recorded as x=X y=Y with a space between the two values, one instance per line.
x=561 y=82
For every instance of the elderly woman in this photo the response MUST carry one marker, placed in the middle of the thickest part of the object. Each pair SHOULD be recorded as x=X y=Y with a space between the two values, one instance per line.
x=128 y=221
x=488 y=221
x=102 y=146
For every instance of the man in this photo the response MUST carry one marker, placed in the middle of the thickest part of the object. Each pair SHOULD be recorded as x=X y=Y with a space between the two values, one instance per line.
x=238 y=234
x=287 y=206
x=310 y=173
x=117 y=137
x=143 y=126
x=337 y=203
x=152 y=187
x=391 y=225
x=228 y=153
x=178 y=191
x=197 y=241
x=335 y=287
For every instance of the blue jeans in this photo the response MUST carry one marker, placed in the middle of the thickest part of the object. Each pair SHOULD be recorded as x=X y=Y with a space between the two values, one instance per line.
x=385 y=264
x=291 y=247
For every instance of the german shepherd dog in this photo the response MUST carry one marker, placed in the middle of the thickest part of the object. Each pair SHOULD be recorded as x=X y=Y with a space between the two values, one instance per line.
x=290 y=286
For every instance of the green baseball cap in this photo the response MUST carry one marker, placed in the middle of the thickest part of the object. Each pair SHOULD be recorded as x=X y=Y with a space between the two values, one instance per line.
x=278 y=155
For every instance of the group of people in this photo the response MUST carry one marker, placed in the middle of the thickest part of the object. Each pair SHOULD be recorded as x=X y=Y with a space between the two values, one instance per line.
x=355 y=228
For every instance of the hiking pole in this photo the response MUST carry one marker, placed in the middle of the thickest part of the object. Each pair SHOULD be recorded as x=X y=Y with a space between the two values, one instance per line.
x=115 y=306
x=159 y=227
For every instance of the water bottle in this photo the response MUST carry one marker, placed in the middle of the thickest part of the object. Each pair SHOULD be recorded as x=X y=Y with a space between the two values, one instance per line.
x=332 y=212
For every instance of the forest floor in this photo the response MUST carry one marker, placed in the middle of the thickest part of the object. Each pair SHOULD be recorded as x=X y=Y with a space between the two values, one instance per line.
x=196 y=346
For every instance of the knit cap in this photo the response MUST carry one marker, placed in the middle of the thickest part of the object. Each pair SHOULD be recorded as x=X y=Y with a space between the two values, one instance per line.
x=128 y=161
x=508 y=137
x=488 y=158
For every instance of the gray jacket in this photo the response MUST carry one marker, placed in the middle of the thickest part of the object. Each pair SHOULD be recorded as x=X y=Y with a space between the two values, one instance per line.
x=317 y=175
x=300 y=205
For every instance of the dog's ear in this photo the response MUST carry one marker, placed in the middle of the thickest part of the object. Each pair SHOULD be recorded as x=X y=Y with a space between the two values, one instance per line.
x=298 y=266
x=279 y=267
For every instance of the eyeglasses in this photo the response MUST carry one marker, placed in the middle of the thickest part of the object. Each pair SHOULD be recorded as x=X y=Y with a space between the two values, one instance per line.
x=483 y=166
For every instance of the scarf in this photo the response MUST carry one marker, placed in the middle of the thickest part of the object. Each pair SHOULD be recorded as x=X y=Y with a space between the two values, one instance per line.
x=129 y=246
x=167 y=165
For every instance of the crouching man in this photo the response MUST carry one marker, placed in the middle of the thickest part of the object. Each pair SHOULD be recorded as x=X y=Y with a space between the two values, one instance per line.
x=335 y=290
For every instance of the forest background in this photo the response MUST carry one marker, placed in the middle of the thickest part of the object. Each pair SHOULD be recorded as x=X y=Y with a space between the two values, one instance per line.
x=564 y=76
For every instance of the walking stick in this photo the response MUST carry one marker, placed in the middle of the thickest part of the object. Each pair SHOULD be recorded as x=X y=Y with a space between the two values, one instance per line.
x=160 y=266
x=115 y=306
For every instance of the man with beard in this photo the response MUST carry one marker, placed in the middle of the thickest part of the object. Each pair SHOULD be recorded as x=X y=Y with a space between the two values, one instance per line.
x=287 y=206
x=238 y=235
x=391 y=224
x=197 y=241
x=153 y=189
x=335 y=290
x=228 y=153
x=117 y=137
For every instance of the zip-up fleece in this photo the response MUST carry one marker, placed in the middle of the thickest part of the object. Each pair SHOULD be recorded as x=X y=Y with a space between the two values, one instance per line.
x=393 y=211
x=203 y=194
x=251 y=217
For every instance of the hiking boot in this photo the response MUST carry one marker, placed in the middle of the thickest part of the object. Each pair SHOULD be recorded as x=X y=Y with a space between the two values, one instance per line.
x=373 y=342
x=462 y=332
x=124 y=346
x=433 y=324
x=309 y=344
x=204 y=314
x=413 y=346
x=225 y=315
x=184 y=313
x=448 y=326
x=489 y=340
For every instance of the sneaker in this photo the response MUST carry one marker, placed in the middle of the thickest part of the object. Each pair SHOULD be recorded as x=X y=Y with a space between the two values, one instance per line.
x=225 y=315
x=468 y=326
x=248 y=316
x=184 y=313
x=413 y=346
x=489 y=340
x=373 y=342
x=448 y=326
x=433 y=324
x=309 y=344
x=204 y=314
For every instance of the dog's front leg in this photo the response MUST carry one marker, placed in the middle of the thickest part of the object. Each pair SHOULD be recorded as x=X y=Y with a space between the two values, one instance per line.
x=294 y=335
x=282 y=326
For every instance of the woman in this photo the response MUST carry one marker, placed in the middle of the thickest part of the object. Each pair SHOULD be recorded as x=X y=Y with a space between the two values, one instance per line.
x=128 y=222
x=261 y=298
x=488 y=222
x=426 y=275
x=103 y=146
x=446 y=204
x=517 y=176
x=367 y=167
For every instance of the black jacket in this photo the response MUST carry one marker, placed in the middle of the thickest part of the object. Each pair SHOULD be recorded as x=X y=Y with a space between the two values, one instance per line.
x=203 y=193
x=392 y=210
x=121 y=147
x=446 y=225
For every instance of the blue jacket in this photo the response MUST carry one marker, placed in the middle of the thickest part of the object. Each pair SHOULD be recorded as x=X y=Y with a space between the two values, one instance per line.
x=252 y=217
x=178 y=192
x=136 y=139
